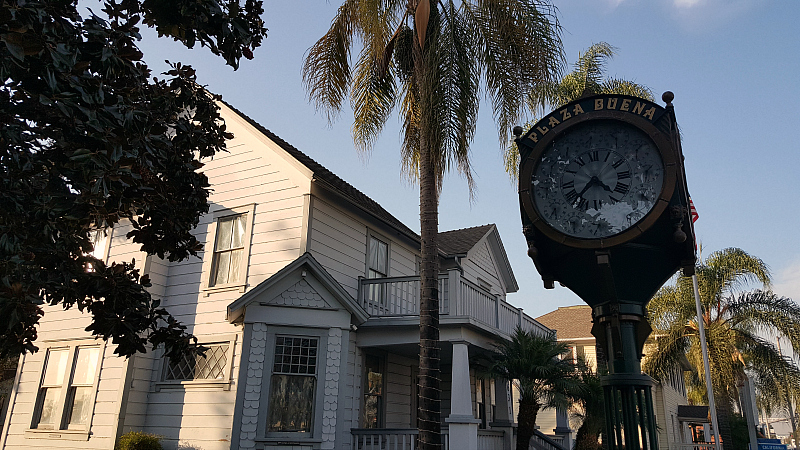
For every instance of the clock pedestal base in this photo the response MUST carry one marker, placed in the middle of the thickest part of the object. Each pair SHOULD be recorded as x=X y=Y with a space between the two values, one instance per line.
x=621 y=329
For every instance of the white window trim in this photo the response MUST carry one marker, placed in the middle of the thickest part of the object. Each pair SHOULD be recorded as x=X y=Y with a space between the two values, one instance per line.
x=315 y=436
x=224 y=384
x=370 y=235
x=208 y=250
x=72 y=434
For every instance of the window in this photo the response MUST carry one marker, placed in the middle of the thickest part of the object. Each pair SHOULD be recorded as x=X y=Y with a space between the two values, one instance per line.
x=373 y=392
x=209 y=366
x=480 y=397
x=377 y=267
x=211 y=369
x=228 y=249
x=293 y=382
x=67 y=389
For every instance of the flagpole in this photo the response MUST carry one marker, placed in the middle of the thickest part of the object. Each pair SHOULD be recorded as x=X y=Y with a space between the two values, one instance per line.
x=709 y=387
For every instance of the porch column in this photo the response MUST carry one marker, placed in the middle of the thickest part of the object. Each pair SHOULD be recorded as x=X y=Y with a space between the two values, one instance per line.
x=462 y=424
x=562 y=428
x=504 y=412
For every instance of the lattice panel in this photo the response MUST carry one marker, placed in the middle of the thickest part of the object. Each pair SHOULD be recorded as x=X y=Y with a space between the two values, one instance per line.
x=210 y=366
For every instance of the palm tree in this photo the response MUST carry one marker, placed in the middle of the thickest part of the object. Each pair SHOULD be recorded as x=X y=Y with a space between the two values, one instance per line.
x=587 y=78
x=736 y=321
x=543 y=377
x=431 y=59
x=589 y=408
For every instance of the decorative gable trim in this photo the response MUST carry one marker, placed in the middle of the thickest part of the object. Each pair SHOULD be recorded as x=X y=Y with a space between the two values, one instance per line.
x=303 y=293
x=300 y=294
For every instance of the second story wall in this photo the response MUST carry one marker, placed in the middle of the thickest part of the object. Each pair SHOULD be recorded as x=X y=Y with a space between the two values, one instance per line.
x=339 y=240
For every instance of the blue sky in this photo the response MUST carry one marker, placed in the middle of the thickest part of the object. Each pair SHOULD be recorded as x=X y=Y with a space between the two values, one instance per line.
x=733 y=65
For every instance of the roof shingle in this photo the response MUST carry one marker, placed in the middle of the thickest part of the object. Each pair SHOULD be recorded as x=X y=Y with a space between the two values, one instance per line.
x=570 y=322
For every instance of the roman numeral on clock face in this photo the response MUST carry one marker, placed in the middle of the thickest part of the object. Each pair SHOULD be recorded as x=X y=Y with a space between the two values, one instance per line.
x=594 y=156
x=617 y=163
x=568 y=185
x=622 y=188
x=571 y=196
x=624 y=174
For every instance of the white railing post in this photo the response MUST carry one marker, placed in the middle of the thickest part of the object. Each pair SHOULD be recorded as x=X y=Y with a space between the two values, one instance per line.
x=454 y=282
x=497 y=300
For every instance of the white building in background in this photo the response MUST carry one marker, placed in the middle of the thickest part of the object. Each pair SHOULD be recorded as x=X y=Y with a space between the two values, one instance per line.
x=307 y=298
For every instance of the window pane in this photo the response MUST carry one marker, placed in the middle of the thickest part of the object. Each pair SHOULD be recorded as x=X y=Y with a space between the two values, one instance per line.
x=235 y=264
x=85 y=366
x=378 y=255
x=291 y=402
x=224 y=231
x=56 y=368
x=237 y=240
x=210 y=366
x=49 y=400
x=81 y=408
x=99 y=238
x=222 y=263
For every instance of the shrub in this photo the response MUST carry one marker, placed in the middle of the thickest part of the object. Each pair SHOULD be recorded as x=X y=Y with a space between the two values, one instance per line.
x=137 y=440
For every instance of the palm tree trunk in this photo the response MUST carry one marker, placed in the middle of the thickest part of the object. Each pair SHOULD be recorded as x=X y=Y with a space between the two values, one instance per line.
x=588 y=436
x=526 y=423
x=724 y=413
x=429 y=409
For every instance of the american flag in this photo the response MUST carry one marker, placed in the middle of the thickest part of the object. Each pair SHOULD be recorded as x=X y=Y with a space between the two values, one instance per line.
x=693 y=211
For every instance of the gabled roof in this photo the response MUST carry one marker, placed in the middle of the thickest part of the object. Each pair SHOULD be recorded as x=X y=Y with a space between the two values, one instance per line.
x=306 y=262
x=570 y=322
x=333 y=182
x=459 y=242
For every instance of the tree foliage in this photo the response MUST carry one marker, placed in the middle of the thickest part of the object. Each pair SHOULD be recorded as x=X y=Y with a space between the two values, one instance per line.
x=736 y=321
x=430 y=60
x=544 y=377
x=89 y=140
x=586 y=78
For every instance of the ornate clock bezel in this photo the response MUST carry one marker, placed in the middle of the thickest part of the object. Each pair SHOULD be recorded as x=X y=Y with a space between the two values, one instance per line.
x=528 y=165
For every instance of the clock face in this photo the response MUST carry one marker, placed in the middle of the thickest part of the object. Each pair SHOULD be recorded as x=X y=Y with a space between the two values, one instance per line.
x=597 y=179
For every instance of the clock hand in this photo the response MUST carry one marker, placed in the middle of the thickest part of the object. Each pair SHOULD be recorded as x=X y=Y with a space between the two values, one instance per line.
x=589 y=184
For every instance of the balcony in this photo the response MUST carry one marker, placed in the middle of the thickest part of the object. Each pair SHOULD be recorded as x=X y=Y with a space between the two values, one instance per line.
x=460 y=299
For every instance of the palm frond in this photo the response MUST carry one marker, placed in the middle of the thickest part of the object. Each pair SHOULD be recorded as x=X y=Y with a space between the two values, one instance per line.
x=519 y=46
x=766 y=312
x=326 y=67
x=372 y=98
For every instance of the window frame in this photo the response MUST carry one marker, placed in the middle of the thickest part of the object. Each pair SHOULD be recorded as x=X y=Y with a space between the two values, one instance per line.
x=383 y=367
x=210 y=244
x=61 y=429
x=262 y=433
x=224 y=383
x=373 y=235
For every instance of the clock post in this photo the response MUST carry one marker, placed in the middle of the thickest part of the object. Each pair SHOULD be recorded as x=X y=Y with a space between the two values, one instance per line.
x=605 y=212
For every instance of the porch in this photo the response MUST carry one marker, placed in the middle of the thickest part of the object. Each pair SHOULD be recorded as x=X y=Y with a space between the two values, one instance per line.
x=405 y=439
x=472 y=319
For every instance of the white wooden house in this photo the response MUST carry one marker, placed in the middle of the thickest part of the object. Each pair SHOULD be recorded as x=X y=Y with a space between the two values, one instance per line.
x=307 y=297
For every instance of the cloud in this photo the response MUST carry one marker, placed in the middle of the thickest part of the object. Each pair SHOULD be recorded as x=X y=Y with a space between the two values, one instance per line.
x=683 y=4
x=787 y=282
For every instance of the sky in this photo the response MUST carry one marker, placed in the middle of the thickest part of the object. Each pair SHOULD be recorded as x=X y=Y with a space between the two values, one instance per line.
x=733 y=65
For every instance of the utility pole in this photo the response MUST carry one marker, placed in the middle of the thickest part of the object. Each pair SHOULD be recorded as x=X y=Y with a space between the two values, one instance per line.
x=789 y=404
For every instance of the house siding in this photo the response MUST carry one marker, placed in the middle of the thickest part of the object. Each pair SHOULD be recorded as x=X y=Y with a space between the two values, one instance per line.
x=338 y=241
x=480 y=264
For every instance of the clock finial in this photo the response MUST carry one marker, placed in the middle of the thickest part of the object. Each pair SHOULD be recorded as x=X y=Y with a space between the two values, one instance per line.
x=668 y=97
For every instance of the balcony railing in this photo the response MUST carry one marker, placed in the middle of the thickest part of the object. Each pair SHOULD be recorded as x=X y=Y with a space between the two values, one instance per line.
x=458 y=297
x=406 y=439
